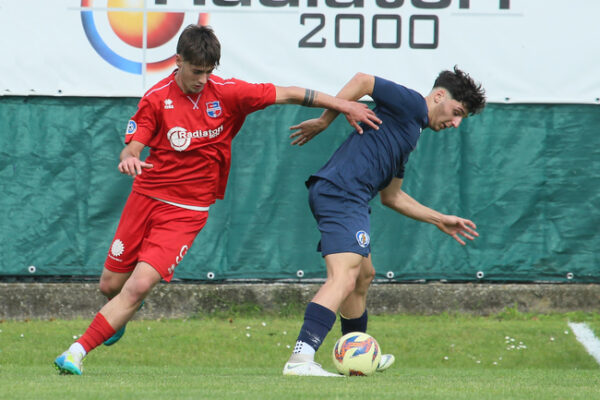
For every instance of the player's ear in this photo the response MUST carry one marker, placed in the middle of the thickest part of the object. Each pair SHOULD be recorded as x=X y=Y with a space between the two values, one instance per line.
x=440 y=95
x=178 y=60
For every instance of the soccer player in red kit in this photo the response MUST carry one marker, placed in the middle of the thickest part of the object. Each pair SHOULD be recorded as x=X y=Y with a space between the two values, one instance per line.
x=188 y=121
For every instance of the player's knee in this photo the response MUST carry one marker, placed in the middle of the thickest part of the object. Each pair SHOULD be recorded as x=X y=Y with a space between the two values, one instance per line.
x=348 y=285
x=342 y=284
x=137 y=290
x=363 y=281
x=367 y=277
x=108 y=288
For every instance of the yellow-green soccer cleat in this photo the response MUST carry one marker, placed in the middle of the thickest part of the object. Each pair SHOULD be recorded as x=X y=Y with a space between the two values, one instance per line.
x=386 y=361
x=69 y=363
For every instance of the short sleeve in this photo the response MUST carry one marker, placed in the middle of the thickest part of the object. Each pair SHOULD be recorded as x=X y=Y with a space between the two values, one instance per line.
x=396 y=97
x=142 y=125
x=249 y=97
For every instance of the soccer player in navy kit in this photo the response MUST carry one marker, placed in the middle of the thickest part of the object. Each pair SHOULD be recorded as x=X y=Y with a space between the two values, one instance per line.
x=363 y=166
x=188 y=121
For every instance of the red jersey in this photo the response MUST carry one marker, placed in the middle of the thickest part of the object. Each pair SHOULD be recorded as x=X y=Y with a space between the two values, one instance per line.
x=189 y=136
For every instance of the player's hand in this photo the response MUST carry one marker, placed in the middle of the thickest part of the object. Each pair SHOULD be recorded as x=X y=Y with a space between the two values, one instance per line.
x=306 y=130
x=455 y=226
x=359 y=112
x=133 y=166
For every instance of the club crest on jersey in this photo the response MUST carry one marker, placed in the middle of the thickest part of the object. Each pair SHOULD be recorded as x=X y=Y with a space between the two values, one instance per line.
x=362 y=238
x=131 y=127
x=213 y=109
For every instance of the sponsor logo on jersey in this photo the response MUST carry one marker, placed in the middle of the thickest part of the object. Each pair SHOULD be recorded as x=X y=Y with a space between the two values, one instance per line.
x=180 y=138
x=131 y=127
x=169 y=104
x=213 y=109
x=363 y=238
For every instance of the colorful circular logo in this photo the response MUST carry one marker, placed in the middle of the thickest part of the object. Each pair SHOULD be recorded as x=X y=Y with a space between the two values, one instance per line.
x=131 y=127
x=137 y=27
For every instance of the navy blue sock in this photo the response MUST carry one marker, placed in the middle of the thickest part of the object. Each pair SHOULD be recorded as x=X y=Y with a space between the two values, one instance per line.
x=318 y=321
x=354 y=325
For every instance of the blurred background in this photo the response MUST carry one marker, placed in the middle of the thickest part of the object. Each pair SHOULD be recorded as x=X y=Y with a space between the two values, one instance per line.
x=526 y=171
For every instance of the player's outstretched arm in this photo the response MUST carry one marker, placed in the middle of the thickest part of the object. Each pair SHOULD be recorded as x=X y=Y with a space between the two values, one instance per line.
x=130 y=159
x=360 y=85
x=354 y=111
x=395 y=198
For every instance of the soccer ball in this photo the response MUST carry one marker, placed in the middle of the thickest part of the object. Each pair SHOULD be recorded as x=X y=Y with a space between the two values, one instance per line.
x=356 y=354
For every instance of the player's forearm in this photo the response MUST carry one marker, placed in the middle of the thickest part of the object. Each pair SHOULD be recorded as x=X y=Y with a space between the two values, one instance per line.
x=133 y=149
x=309 y=98
x=359 y=86
x=406 y=205
x=126 y=153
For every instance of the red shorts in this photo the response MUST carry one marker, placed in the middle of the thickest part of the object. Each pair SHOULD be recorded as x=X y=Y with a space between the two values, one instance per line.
x=154 y=232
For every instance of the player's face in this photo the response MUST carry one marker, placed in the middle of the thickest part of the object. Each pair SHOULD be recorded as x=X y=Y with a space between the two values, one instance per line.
x=448 y=113
x=192 y=78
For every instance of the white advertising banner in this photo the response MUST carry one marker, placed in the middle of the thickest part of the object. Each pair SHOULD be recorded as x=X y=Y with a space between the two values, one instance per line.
x=525 y=51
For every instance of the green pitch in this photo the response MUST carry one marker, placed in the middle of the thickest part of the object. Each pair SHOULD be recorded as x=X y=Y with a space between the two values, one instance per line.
x=507 y=356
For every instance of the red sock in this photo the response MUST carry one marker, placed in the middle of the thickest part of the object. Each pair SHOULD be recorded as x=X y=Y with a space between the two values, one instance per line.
x=98 y=331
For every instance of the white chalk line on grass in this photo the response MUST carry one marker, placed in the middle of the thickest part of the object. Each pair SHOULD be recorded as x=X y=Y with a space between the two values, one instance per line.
x=586 y=337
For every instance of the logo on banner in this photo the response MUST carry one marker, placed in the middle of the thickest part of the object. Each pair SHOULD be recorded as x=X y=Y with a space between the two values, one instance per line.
x=120 y=24
x=213 y=109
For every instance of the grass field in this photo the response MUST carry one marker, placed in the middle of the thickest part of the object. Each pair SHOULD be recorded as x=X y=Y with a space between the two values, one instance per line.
x=506 y=356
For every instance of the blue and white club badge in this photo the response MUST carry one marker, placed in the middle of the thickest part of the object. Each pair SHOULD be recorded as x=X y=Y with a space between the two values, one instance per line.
x=213 y=109
x=363 y=238
x=131 y=127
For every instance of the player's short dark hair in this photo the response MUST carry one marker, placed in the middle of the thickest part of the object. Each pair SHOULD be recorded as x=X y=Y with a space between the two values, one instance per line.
x=199 y=45
x=462 y=88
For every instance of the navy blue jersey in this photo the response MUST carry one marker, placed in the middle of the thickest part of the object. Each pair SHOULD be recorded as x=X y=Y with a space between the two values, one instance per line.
x=365 y=164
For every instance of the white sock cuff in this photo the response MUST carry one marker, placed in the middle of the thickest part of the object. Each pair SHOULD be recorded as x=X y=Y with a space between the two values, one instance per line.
x=77 y=348
x=304 y=348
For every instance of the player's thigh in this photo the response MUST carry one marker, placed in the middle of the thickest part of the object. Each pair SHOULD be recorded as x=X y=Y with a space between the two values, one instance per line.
x=342 y=269
x=141 y=281
x=344 y=266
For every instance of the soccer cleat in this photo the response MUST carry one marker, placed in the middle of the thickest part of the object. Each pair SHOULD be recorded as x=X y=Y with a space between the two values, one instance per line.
x=115 y=338
x=69 y=363
x=307 y=368
x=118 y=334
x=386 y=361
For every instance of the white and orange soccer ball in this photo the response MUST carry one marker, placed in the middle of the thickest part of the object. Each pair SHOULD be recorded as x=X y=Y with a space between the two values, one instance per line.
x=356 y=354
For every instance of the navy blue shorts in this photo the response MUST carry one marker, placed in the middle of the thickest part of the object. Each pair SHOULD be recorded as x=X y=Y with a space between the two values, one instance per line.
x=342 y=219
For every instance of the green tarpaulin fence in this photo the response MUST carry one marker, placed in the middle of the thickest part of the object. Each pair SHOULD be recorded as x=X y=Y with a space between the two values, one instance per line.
x=527 y=175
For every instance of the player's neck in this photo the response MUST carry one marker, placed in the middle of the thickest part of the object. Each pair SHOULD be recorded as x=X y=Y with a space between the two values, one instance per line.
x=178 y=80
